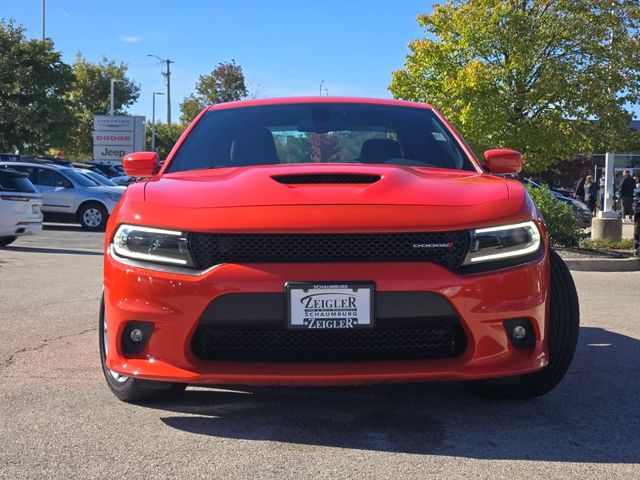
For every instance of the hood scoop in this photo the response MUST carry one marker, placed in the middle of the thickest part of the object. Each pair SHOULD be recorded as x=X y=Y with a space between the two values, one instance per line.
x=325 y=178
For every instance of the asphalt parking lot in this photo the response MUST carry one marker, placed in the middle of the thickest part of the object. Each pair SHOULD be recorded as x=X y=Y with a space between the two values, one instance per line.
x=58 y=420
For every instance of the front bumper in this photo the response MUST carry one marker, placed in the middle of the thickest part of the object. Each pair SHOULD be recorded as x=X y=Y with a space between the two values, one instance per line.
x=174 y=303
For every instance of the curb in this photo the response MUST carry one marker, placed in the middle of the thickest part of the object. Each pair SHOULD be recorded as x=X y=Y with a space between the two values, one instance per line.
x=603 y=264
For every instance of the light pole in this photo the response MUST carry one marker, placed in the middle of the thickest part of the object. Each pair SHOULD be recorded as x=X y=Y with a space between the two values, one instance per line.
x=321 y=87
x=166 y=74
x=43 y=10
x=153 y=121
x=113 y=81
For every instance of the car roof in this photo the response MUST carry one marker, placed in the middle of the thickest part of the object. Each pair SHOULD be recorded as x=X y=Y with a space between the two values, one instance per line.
x=38 y=164
x=318 y=99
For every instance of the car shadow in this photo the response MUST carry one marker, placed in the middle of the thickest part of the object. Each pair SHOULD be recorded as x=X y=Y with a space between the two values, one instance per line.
x=592 y=416
x=67 y=251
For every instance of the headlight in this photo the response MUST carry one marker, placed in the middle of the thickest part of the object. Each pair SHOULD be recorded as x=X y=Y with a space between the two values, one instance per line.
x=152 y=245
x=114 y=196
x=502 y=243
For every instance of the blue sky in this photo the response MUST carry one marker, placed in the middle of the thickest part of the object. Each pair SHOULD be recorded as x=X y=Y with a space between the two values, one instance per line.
x=285 y=47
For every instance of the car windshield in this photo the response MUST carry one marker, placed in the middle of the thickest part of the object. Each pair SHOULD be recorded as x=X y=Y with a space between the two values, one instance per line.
x=320 y=133
x=98 y=177
x=79 y=179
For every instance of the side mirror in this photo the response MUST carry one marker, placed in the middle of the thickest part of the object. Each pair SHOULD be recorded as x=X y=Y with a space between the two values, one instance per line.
x=141 y=164
x=503 y=160
x=67 y=184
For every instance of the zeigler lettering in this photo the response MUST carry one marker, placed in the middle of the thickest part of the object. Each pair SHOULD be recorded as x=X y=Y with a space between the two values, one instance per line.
x=334 y=323
x=329 y=301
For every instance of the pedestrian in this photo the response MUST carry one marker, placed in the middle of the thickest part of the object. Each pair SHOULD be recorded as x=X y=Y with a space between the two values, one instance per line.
x=590 y=192
x=636 y=178
x=636 y=219
x=580 y=189
x=601 y=196
x=626 y=194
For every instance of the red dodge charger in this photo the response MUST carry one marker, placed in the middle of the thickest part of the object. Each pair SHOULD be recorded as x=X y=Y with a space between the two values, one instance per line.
x=330 y=241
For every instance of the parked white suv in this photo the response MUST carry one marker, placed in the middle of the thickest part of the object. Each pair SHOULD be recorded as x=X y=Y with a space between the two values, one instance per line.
x=20 y=206
x=68 y=195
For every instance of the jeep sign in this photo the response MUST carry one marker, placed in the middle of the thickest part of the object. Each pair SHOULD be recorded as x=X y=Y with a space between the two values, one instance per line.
x=115 y=154
x=116 y=136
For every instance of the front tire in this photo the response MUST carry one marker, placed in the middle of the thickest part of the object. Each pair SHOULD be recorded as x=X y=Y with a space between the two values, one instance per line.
x=93 y=217
x=4 y=241
x=562 y=334
x=130 y=389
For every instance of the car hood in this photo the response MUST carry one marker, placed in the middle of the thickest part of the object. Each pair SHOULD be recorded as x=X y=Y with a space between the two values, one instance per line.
x=328 y=185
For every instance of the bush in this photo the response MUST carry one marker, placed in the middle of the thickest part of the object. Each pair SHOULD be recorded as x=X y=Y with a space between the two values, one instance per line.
x=624 y=244
x=563 y=226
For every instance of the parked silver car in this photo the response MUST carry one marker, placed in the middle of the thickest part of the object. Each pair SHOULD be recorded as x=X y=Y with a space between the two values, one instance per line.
x=68 y=195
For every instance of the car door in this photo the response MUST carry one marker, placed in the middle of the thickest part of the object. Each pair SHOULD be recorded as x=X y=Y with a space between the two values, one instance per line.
x=57 y=191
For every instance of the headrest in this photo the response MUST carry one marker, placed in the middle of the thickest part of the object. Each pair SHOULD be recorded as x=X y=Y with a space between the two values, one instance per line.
x=254 y=147
x=379 y=150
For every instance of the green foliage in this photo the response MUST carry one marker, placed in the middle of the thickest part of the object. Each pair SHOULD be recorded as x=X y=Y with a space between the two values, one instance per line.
x=292 y=149
x=225 y=83
x=91 y=95
x=166 y=137
x=561 y=221
x=528 y=74
x=34 y=109
x=624 y=244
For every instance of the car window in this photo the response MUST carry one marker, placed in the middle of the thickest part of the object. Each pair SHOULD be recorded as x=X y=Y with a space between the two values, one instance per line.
x=99 y=178
x=30 y=170
x=49 y=178
x=320 y=133
x=13 y=183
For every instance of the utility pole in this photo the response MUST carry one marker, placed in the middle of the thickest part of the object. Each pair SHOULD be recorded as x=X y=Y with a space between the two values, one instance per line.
x=153 y=122
x=166 y=74
x=43 y=10
x=113 y=81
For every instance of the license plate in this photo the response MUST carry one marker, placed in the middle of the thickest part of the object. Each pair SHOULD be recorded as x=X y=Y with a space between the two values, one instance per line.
x=328 y=305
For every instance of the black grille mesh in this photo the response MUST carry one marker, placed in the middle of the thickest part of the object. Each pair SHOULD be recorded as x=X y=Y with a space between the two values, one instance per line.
x=325 y=178
x=444 y=248
x=329 y=345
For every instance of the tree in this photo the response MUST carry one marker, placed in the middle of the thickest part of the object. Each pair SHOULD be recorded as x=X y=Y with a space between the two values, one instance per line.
x=34 y=110
x=224 y=84
x=91 y=95
x=325 y=148
x=166 y=137
x=550 y=78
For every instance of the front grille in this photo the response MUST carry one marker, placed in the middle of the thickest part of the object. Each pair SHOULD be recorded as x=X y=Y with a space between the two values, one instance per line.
x=212 y=343
x=444 y=248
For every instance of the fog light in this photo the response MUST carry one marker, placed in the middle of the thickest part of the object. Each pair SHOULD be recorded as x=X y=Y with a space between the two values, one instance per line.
x=136 y=335
x=519 y=332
